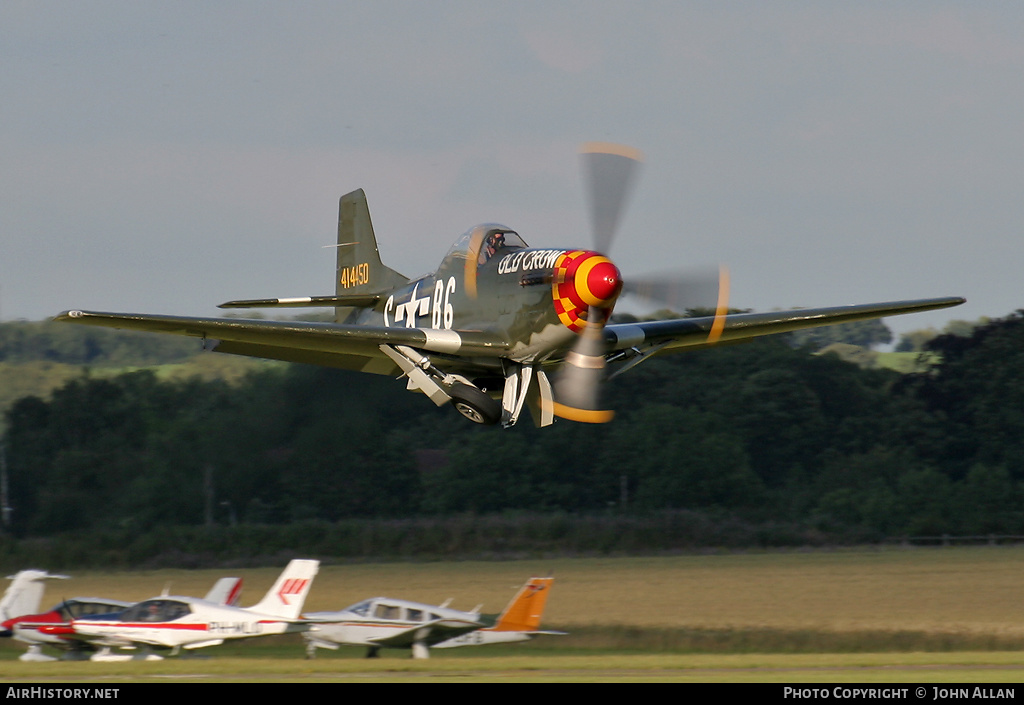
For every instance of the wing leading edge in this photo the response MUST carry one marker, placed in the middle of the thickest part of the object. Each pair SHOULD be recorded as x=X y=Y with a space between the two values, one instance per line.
x=331 y=344
x=358 y=347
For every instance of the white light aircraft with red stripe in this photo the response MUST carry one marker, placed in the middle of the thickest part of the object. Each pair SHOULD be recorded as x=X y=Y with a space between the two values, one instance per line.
x=173 y=622
x=50 y=628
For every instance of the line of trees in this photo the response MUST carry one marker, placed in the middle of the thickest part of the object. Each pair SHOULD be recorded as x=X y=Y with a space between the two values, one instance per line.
x=759 y=433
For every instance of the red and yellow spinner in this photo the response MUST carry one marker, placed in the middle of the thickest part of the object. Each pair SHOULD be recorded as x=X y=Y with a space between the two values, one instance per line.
x=583 y=279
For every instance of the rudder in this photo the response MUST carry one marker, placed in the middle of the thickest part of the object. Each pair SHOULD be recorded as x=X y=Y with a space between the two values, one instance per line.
x=286 y=597
x=360 y=270
x=524 y=612
x=25 y=593
x=226 y=591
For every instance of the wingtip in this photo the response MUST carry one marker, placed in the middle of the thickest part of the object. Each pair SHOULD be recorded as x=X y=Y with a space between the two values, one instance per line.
x=946 y=301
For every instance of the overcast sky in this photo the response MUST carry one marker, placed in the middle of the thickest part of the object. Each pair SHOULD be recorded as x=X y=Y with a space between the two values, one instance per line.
x=164 y=157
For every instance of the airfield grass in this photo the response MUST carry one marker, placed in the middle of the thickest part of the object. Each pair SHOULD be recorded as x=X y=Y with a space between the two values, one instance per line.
x=977 y=667
x=936 y=614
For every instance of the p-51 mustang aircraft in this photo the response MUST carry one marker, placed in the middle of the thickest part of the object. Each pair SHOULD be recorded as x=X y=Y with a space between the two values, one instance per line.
x=188 y=622
x=486 y=330
x=400 y=624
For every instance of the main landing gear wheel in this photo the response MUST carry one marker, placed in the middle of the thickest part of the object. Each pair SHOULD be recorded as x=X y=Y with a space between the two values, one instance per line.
x=475 y=405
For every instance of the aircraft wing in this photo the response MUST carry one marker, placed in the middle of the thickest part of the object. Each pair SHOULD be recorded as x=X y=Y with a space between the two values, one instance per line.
x=429 y=633
x=675 y=334
x=72 y=633
x=331 y=344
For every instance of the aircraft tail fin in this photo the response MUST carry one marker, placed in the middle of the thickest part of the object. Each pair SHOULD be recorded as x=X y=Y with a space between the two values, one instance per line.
x=286 y=598
x=25 y=593
x=360 y=270
x=226 y=591
x=523 y=613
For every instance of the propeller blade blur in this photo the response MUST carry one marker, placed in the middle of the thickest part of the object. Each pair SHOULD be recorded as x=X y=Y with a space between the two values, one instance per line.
x=609 y=171
x=697 y=290
x=579 y=382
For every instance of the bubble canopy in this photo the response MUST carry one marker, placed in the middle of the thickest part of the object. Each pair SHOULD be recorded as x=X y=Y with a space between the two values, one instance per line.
x=482 y=242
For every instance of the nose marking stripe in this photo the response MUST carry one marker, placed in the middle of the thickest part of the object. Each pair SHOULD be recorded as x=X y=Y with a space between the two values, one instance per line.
x=570 y=287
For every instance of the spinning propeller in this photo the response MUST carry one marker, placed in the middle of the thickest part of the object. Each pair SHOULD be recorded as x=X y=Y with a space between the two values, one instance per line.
x=587 y=284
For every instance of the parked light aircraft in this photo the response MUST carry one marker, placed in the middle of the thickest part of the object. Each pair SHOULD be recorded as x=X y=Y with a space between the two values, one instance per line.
x=44 y=629
x=486 y=329
x=386 y=622
x=191 y=623
x=19 y=610
x=24 y=595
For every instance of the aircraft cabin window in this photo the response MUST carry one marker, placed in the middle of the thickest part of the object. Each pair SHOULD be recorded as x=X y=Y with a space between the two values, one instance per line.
x=496 y=240
x=156 y=611
x=480 y=242
x=388 y=612
x=414 y=615
x=136 y=613
x=362 y=608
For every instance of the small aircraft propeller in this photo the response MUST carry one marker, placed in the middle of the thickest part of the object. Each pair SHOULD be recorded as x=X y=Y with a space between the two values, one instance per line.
x=578 y=385
x=609 y=173
x=697 y=289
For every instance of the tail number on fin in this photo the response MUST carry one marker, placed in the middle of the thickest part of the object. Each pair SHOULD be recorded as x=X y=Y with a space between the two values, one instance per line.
x=356 y=275
x=292 y=587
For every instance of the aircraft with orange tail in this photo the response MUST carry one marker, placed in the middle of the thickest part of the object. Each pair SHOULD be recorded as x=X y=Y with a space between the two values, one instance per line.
x=383 y=622
x=499 y=327
x=519 y=622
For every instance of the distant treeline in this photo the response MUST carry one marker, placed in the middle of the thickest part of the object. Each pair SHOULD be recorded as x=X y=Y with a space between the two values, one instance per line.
x=48 y=341
x=510 y=535
x=755 y=435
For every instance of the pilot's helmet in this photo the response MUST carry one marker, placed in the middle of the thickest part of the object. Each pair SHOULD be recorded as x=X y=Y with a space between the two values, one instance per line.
x=495 y=241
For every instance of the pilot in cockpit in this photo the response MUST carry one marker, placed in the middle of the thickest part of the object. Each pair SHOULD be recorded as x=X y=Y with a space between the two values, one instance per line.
x=494 y=242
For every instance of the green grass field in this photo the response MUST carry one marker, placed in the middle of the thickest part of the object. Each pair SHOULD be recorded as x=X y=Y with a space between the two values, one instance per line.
x=910 y=615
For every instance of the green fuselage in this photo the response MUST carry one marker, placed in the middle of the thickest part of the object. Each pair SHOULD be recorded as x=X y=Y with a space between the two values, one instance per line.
x=509 y=296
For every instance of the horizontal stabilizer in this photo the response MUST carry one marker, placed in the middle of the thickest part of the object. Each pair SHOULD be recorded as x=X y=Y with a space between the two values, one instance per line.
x=356 y=300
